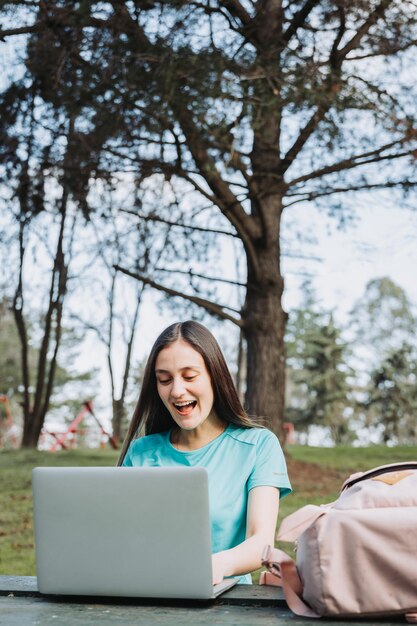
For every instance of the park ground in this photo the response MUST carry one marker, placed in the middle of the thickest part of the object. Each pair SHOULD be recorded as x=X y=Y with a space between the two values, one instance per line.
x=316 y=475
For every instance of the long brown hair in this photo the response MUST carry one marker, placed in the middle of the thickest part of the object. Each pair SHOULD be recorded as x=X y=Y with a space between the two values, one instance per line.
x=151 y=415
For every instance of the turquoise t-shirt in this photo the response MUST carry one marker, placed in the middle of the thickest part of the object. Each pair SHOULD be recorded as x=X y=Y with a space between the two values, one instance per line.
x=236 y=461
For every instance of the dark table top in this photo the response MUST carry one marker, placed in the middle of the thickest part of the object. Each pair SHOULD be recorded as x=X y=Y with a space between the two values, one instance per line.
x=21 y=604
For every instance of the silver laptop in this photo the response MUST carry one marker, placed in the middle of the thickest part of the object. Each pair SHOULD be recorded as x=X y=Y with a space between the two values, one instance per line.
x=115 y=531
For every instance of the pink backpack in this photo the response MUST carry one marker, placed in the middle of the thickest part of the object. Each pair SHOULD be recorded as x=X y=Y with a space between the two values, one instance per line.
x=356 y=556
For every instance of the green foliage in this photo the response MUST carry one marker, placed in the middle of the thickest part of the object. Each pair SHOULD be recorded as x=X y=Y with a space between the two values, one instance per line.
x=383 y=317
x=383 y=323
x=319 y=391
x=10 y=364
x=391 y=398
x=170 y=82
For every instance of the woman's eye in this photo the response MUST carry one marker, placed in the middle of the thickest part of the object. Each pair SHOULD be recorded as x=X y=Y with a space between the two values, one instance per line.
x=189 y=377
x=164 y=381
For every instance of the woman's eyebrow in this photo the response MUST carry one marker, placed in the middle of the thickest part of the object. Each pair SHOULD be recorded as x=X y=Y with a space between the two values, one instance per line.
x=187 y=367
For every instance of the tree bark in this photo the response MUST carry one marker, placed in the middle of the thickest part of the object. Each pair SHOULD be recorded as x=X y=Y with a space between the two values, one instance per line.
x=119 y=420
x=264 y=328
x=263 y=315
x=34 y=418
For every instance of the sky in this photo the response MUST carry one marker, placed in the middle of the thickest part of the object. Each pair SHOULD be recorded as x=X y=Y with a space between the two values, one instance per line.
x=381 y=242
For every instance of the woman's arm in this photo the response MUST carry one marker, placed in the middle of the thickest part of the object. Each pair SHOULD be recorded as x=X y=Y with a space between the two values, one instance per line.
x=263 y=504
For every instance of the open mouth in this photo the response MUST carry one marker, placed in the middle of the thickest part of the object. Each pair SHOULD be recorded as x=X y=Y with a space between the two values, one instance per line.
x=184 y=408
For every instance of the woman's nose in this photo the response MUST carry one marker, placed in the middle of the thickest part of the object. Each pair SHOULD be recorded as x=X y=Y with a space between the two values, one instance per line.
x=177 y=388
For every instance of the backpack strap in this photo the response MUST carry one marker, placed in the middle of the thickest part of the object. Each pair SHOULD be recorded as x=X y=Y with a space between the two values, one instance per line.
x=377 y=471
x=282 y=566
x=411 y=618
x=282 y=572
x=268 y=578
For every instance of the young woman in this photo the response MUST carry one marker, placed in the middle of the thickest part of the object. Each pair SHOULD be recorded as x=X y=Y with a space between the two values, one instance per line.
x=191 y=415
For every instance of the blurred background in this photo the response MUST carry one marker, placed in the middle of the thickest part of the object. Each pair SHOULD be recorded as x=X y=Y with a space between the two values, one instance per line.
x=247 y=164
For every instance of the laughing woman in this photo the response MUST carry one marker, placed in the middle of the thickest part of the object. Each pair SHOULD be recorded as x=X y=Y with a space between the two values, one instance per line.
x=191 y=415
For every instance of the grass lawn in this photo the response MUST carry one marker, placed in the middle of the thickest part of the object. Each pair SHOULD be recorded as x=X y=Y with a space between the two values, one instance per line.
x=17 y=555
x=316 y=475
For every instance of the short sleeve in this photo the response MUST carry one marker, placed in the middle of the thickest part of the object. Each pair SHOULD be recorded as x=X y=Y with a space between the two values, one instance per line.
x=270 y=468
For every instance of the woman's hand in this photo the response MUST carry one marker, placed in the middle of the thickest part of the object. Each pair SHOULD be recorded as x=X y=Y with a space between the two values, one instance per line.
x=261 y=521
x=220 y=567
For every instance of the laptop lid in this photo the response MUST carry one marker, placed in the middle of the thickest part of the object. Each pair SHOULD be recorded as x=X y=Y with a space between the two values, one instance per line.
x=114 y=531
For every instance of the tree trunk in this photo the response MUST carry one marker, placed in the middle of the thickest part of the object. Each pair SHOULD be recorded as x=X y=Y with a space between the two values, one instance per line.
x=120 y=422
x=263 y=315
x=264 y=328
x=34 y=417
x=31 y=430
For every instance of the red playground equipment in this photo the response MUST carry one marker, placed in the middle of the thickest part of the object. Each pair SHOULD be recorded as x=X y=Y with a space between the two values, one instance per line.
x=289 y=433
x=8 y=433
x=67 y=439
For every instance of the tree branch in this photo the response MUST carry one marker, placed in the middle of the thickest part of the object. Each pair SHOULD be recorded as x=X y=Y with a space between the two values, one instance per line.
x=247 y=23
x=245 y=225
x=336 y=59
x=89 y=326
x=238 y=11
x=124 y=22
x=23 y=30
x=227 y=201
x=21 y=324
x=110 y=321
x=303 y=137
x=212 y=198
x=298 y=20
x=374 y=89
x=129 y=350
x=365 y=158
x=309 y=196
x=364 y=29
x=57 y=290
x=211 y=307
x=154 y=218
x=192 y=274
x=394 y=49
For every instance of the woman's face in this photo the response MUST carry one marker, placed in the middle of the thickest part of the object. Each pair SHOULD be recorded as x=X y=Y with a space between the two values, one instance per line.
x=184 y=385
